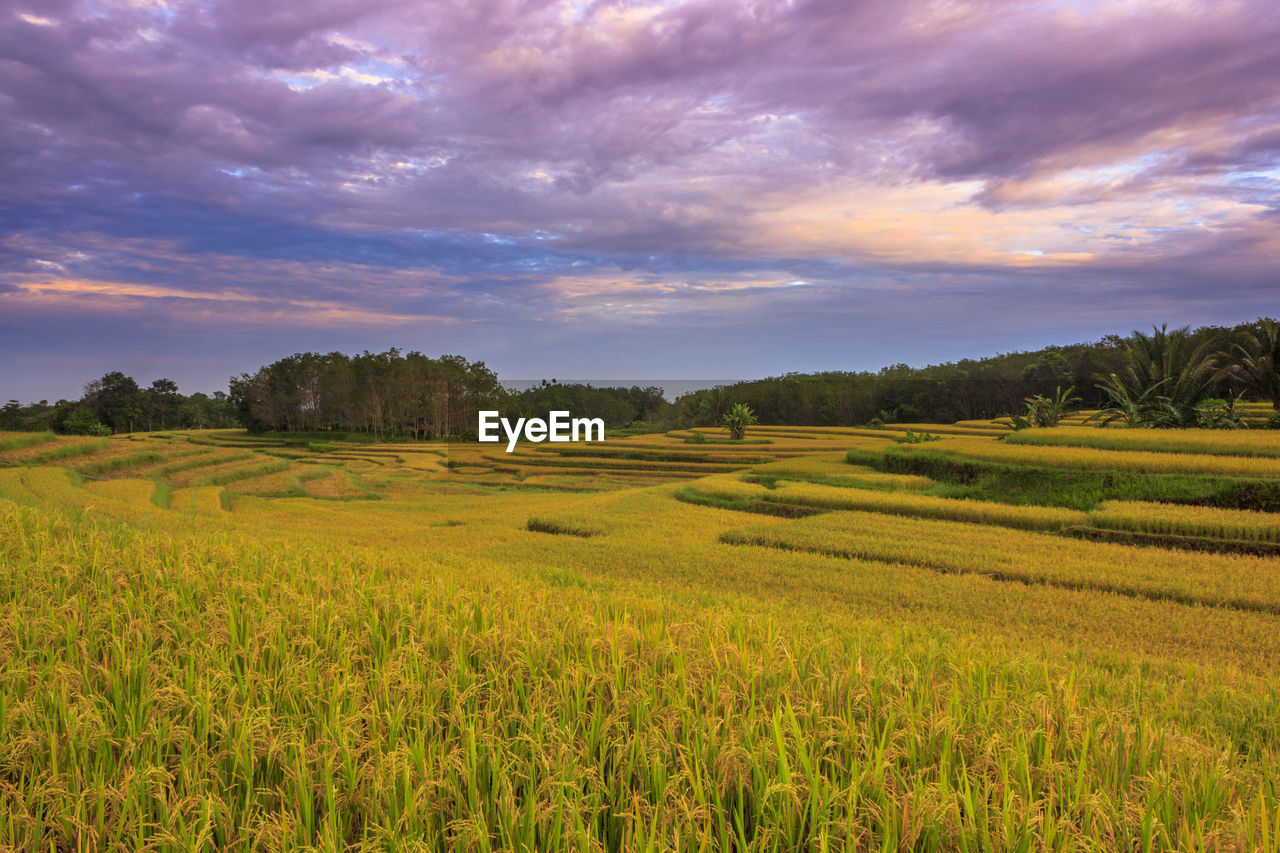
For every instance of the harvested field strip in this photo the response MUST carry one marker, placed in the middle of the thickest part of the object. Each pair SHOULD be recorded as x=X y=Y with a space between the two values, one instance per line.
x=1244 y=582
x=309 y=474
x=204 y=499
x=136 y=494
x=116 y=464
x=241 y=472
x=269 y=484
x=692 y=456
x=948 y=429
x=1149 y=517
x=829 y=433
x=204 y=459
x=908 y=504
x=336 y=484
x=1251 y=443
x=65 y=449
x=191 y=476
x=725 y=500
x=833 y=471
x=372 y=459
x=609 y=465
x=539 y=470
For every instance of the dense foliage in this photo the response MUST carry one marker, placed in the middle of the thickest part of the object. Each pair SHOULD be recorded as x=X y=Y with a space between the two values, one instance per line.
x=1185 y=367
x=617 y=406
x=116 y=403
x=376 y=393
x=1171 y=379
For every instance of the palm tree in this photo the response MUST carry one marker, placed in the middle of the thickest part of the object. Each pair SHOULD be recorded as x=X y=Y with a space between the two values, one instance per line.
x=1133 y=410
x=1171 y=358
x=1255 y=361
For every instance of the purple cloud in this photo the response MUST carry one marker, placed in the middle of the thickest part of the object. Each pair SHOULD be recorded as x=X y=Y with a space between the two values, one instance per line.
x=518 y=176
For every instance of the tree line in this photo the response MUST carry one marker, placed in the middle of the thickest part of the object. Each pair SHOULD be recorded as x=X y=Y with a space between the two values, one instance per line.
x=1183 y=377
x=116 y=403
x=1165 y=378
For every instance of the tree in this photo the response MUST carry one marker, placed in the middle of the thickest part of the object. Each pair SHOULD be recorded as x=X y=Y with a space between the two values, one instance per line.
x=737 y=419
x=117 y=399
x=1184 y=370
x=1133 y=410
x=1255 y=361
x=1045 y=411
x=162 y=399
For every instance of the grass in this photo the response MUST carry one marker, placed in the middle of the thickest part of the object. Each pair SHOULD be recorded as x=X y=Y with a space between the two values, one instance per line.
x=563 y=527
x=423 y=672
x=162 y=495
x=22 y=441
x=1032 y=482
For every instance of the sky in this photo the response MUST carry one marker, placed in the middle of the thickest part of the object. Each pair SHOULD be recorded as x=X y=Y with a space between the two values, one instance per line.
x=727 y=188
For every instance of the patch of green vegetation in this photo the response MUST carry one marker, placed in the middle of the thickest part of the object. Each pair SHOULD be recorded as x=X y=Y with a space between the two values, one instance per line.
x=963 y=477
x=233 y=475
x=201 y=460
x=69 y=451
x=119 y=463
x=161 y=495
x=560 y=527
x=18 y=442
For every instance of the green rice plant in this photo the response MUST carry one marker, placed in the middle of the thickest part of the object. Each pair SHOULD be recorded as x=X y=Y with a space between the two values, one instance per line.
x=162 y=494
x=19 y=442
x=564 y=526
x=1027 y=482
x=836 y=471
x=68 y=451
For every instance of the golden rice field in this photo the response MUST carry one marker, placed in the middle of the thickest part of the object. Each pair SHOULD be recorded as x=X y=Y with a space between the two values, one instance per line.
x=218 y=641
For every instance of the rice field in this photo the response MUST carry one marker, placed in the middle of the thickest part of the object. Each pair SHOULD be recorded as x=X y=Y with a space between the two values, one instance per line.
x=218 y=641
x=1256 y=443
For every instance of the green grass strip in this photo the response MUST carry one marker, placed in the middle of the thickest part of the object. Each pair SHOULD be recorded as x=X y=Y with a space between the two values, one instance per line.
x=30 y=440
x=161 y=495
x=69 y=451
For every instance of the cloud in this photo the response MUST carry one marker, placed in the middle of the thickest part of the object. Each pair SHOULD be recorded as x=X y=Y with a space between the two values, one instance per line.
x=524 y=168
